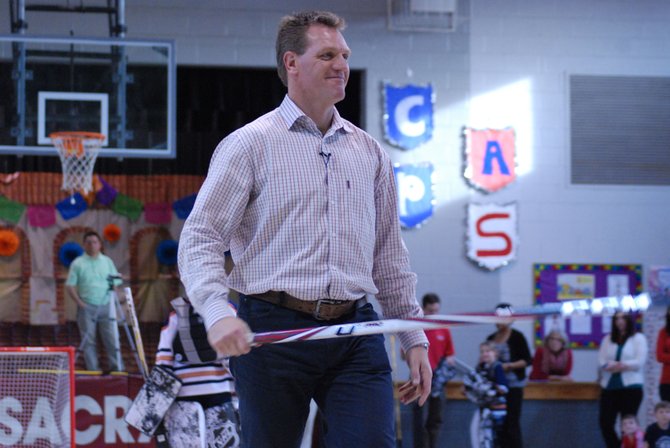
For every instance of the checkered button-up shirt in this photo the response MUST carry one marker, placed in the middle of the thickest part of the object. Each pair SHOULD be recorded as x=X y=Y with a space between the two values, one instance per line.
x=310 y=214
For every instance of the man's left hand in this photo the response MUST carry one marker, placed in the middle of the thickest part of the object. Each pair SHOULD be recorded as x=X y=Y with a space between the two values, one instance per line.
x=421 y=375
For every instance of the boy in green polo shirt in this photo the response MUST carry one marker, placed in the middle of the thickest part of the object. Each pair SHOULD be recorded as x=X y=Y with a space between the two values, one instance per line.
x=88 y=284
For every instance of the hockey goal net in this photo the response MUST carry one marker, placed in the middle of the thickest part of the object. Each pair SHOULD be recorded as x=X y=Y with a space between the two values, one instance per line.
x=37 y=396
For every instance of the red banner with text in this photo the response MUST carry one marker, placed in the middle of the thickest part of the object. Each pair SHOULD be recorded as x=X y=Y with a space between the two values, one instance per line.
x=100 y=404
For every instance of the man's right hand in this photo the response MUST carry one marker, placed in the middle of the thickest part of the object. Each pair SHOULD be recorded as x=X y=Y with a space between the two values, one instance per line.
x=230 y=336
x=75 y=296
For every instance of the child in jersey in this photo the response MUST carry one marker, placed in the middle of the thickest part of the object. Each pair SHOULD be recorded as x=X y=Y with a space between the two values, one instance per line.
x=206 y=406
x=491 y=369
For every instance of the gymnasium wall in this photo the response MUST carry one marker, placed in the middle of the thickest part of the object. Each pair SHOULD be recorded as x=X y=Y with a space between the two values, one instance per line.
x=505 y=65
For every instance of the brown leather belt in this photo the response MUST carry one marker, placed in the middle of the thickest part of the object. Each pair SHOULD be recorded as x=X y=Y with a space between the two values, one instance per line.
x=322 y=309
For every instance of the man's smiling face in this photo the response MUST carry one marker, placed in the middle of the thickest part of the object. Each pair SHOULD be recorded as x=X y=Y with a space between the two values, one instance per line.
x=323 y=70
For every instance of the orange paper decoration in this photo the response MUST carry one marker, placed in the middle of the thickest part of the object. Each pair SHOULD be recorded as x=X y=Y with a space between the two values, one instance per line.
x=9 y=243
x=112 y=233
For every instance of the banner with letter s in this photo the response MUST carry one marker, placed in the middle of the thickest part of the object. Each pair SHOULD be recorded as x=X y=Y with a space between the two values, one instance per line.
x=408 y=115
x=492 y=234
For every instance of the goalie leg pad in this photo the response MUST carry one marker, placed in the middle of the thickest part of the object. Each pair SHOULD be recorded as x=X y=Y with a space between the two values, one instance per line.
x=184 y=423
x=223 y=426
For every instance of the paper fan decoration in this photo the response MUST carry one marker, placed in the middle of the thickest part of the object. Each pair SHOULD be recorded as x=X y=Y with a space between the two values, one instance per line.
x=68 y=252
x=9 y=243
x=111 y=233
x=166 y=252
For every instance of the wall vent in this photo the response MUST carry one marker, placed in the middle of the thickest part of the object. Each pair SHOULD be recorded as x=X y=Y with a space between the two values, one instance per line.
x=620 y=130
x=438 y=16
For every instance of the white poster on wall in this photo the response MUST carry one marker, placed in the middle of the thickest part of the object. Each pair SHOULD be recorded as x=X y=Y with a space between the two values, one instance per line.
x=617 y=285
x=43 y=310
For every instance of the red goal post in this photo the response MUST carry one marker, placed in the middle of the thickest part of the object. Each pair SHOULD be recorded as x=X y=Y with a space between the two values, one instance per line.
x=37 y=396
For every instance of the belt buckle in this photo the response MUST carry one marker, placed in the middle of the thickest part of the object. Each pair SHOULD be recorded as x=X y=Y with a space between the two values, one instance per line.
x=317 y=311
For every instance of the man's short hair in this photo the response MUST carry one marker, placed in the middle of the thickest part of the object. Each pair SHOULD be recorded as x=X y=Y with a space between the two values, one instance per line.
x=292 y=34
x=92 y=233
x=430 y=298
x=662 y=405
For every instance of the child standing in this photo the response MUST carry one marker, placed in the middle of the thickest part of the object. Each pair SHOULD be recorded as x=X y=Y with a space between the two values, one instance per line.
x=632 y=435
x=491 y=369
x=657 y=434
x=488 y=390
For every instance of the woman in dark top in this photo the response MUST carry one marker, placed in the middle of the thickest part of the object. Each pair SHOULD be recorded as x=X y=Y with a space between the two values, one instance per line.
x=515 y=356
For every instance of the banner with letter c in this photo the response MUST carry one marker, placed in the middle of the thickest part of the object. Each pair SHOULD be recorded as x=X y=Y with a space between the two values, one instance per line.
x=408 y=115
x=492 y=234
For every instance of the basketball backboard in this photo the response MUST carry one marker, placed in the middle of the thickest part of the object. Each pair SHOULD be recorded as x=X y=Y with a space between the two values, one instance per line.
x=124 y=89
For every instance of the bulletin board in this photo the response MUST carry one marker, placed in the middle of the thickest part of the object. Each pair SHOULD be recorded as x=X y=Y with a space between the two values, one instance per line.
x=557 y=282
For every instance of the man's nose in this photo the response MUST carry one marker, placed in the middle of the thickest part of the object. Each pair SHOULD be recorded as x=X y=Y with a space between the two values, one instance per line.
x=341 y=63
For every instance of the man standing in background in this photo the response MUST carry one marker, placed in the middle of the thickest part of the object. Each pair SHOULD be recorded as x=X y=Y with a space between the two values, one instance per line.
x=441 y=350
x=89 y=284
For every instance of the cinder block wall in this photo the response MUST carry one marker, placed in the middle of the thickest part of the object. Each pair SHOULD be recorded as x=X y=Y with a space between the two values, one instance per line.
x=505 y=65
x=537 y=45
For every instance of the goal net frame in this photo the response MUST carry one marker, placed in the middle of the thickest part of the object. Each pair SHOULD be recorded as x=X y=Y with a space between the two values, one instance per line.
x=33 y=362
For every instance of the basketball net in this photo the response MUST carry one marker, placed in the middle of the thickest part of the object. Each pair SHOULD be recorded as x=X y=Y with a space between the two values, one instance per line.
x=78 y=152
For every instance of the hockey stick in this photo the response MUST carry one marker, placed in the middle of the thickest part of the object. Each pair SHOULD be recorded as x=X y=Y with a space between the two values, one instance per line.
x=131 y=315
x=595 y=306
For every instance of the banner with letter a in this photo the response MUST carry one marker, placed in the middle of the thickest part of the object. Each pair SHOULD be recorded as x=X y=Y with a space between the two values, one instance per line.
x=489 y=158
x=415 y=193
x=492 y=234
x=408 y=115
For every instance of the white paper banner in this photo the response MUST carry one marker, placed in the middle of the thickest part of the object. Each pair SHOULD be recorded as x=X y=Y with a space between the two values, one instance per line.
x=492 y=237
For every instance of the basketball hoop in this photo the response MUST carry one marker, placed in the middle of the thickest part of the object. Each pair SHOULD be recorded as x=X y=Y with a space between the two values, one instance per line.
x=77 y=151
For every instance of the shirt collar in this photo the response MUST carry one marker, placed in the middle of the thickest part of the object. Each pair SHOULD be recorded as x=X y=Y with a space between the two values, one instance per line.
x=291 y=113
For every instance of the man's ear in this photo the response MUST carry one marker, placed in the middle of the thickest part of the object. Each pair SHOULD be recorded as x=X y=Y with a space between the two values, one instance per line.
x=290 y=62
